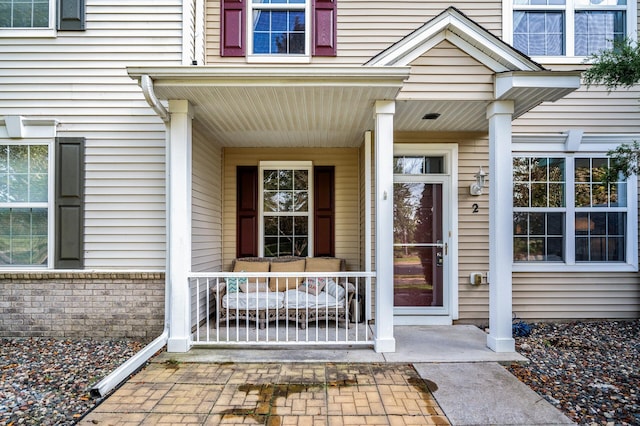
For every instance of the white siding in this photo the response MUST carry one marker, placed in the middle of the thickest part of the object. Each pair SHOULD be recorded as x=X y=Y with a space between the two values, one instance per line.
x=79 y=78
x=367 y=27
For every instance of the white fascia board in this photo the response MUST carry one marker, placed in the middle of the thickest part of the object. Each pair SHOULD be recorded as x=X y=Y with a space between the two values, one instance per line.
x=274 y=76
x=506 y=82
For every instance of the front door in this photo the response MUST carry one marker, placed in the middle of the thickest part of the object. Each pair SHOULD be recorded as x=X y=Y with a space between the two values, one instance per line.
x=421 y=276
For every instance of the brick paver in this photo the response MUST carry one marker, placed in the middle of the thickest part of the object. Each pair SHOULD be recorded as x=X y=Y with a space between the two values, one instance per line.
x=322 y=394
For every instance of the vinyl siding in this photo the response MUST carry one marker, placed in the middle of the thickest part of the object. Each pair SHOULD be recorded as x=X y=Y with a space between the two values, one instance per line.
x=347 y=196
x=448 y=73
x=207 y=205
x=363 y=35
x=79 y=78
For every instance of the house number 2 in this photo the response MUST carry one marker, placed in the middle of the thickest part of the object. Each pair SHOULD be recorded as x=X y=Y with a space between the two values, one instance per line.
x=475 y=208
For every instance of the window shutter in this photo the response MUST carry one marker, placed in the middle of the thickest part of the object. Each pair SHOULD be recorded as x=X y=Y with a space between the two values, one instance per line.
x=71 y=15
x=247 y=211
x=69 y=203
x=324 y=207
x=324 y=27
x=232 y=23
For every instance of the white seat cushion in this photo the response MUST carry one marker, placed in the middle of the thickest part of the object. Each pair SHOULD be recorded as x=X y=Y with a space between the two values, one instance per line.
x=302 y=299
x=270 y=300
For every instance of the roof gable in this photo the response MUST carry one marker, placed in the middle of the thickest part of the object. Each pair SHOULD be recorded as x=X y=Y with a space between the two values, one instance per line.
x=454 y=26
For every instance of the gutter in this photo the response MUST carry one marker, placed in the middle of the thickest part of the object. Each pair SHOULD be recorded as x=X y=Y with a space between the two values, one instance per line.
x=130 y=366
x=146 y=83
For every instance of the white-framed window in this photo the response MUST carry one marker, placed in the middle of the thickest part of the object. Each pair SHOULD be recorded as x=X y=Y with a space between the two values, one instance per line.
x=27 y=18
x=24 y=204
x=279 y=28
x=565 y=217
x=286 y=209
x=567 y=28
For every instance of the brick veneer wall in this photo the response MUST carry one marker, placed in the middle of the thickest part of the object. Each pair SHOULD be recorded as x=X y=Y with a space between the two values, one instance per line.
x=82 y=304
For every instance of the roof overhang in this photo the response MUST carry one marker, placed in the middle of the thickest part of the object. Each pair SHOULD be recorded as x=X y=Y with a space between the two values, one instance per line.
x=277 y=106
x=530 y=88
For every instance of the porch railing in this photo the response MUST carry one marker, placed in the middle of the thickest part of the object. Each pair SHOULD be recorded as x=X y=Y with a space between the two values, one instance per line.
x=240 y=308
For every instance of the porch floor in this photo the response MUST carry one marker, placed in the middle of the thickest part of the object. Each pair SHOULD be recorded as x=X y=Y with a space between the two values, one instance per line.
x=414 y=344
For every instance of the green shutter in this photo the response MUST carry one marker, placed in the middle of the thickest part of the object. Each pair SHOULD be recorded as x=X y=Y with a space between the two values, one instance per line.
x=71 y=15
x=69 y=203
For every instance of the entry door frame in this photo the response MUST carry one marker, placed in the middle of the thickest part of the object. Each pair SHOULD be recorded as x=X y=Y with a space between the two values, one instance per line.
x=449 y=180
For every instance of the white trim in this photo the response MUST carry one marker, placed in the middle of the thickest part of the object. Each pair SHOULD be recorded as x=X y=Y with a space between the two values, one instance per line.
x=33 y=32
x=368 y=236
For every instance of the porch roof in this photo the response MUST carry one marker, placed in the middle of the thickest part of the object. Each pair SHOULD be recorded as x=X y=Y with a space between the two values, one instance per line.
x=322 y=106
x=278 y=106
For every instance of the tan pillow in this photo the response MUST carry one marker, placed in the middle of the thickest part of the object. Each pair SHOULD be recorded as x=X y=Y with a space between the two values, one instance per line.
x=322 y=264
x=286 y=283
x=247 y=266
x=254 y=287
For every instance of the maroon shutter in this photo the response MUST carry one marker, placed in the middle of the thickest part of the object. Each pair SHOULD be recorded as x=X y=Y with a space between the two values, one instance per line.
x=324 y=206
x=247 y=211
x=232 y=34
x=324 y=27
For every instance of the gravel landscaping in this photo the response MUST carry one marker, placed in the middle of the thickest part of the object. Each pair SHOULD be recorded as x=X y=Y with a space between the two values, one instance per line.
x=589 y=370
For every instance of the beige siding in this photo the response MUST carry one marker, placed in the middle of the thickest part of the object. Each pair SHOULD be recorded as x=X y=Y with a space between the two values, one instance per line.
x=79 y=79
x=347 y=193
x=207 y=205
x=363 y=35
x=447 y=73
x=576 y=295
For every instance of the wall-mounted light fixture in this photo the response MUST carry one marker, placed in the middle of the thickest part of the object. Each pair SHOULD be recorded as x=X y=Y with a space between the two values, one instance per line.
x=476 y=187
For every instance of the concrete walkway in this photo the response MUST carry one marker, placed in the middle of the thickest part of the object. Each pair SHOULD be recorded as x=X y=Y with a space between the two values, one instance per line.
x=439 y=375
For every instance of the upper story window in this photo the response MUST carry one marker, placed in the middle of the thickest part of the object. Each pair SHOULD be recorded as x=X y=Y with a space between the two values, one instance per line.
x=24 y=13
x=568 y=27
x=37 y=18
x=279 y=27
x=278 y=30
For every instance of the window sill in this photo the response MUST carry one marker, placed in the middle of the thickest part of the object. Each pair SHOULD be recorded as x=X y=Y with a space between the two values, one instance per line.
x=278 y=59
x=581 y=267
x=28 y=33
x=562 y=60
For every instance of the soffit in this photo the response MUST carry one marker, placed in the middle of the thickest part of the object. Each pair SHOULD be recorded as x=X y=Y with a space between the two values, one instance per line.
x=280 y=107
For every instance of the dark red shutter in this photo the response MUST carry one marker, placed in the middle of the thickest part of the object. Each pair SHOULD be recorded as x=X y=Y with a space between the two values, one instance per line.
x=232 y=34
x=324 y=27
x=247 y=211
x=324 y=207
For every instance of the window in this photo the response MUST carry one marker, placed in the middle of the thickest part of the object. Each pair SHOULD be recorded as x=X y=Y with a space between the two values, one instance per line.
x=24 y=197
x=24 y=13
x=564 y=213
x=279 y=27
x=278 y=30
x=569 y=27
x=286 y=211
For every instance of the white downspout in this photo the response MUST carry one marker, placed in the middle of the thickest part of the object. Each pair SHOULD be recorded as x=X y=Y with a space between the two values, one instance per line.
x=146 y=83
x=133 y=364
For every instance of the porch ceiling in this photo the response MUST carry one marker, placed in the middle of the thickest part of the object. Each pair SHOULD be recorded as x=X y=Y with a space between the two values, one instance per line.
x=280 y=106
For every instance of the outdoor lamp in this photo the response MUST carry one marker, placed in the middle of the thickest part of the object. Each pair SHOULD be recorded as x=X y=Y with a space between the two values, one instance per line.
x=476 y=187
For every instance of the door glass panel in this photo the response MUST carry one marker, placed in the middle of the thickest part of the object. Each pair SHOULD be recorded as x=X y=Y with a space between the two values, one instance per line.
x=418 y=248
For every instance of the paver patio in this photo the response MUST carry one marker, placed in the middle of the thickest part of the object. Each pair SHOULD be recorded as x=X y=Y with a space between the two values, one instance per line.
x=271 y=394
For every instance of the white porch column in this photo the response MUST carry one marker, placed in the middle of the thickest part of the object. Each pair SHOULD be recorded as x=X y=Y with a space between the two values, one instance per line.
x=500 y=114
x=178 y=153
x=384 y=111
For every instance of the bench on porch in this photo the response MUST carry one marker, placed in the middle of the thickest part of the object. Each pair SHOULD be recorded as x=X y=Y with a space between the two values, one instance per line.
x=316 y=291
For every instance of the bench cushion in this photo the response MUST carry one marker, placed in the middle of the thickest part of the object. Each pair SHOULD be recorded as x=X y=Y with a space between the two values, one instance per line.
x=285 y=283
